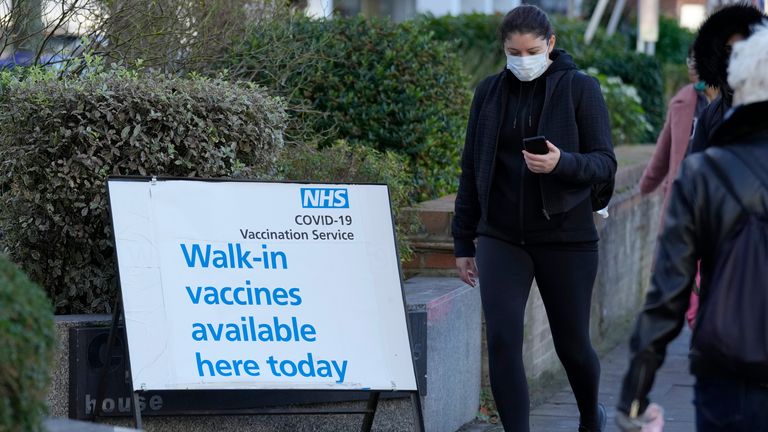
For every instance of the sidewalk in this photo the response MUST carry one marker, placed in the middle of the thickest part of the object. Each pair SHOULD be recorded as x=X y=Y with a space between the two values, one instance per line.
x=673 y=390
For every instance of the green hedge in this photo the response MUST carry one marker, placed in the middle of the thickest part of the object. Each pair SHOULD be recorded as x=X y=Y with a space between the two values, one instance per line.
x=475 y=36
x=370 y=82
x=27 y=334
x=674 y=41
x=615 y=56
x=672 y=51
x=628 y=124
x=62 y=138
x=570 y=36
x=640 y=71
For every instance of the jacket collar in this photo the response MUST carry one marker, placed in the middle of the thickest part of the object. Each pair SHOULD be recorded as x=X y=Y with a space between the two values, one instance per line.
x=743 y=123
x=551 y=79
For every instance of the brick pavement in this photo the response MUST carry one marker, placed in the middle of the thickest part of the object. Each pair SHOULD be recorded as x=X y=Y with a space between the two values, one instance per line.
x=673 y=390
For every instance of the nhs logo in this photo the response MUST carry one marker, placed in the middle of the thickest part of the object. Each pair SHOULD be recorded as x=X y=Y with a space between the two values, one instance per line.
x=324 y=198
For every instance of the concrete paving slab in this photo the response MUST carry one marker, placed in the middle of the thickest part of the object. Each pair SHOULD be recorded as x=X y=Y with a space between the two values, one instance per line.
x=673 y=390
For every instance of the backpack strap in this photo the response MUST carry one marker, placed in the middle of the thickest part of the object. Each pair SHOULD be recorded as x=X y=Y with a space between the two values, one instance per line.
x=570 y=85
x=726 y=180
x=761 y=175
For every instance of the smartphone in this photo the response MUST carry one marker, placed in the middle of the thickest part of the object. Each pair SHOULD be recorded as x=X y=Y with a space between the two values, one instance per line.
x=536 y=145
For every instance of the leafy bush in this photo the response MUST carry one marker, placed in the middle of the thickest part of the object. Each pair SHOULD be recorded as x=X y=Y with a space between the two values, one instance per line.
x=675 y=77
x=628 y=122
x=672 y=50
x=62 y=138
x=570 y=36
x=615 y=56
x=26 y=329
x=370 y=82
x=642 y=72
x=674 y=41
x=343 y=162
x=475 y=37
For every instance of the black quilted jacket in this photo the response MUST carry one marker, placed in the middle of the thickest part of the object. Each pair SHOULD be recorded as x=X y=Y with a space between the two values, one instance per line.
x=574 y=118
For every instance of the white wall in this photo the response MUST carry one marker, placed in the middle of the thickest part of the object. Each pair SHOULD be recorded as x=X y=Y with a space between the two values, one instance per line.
x=438 y=7
x=398 y=10
x=469 y=6
x=319 y=8
x=504 y=6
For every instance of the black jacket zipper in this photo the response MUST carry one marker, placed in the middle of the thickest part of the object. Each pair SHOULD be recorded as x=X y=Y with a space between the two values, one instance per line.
x=521 y=207
x=543 y=201
x=541 y=187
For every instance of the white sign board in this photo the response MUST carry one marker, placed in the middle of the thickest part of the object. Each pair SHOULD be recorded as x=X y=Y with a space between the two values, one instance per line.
x=245 y=285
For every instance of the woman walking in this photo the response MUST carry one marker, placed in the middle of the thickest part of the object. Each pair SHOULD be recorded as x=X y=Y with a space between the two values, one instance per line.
x=531 y=213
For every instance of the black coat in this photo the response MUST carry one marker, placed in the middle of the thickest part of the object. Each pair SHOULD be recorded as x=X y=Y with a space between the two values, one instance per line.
x=701 y=216
x=711 y=55
x=574 y=118
x=711 y=118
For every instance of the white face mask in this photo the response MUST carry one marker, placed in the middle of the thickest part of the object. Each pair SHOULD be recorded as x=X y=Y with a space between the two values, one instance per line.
x=528 y=68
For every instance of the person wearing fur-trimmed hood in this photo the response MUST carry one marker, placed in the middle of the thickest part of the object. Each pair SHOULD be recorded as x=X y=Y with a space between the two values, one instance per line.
x=711 y=50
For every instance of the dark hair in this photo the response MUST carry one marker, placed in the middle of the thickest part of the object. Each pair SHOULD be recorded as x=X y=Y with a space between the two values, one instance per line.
x=525 y=19
x=709 y=47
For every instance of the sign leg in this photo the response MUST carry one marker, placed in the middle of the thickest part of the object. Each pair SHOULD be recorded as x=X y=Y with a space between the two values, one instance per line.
x=136 y=410
x=102 y=389
x=373 y=403
x=418 y=414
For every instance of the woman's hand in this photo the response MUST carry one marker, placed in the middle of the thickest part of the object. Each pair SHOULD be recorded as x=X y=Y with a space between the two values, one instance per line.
x=543 y=164
x=467 y=270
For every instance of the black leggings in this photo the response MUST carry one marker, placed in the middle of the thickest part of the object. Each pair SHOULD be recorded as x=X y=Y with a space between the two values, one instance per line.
x=565 y=274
